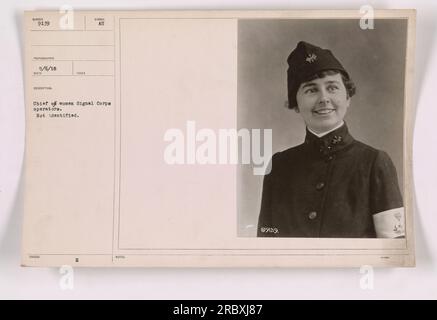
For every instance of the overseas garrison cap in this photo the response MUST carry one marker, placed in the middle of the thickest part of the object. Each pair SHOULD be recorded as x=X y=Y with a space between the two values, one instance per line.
x=305 y=61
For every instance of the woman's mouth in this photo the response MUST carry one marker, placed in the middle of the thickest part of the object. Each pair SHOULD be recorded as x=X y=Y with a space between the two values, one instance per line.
x=324 y=111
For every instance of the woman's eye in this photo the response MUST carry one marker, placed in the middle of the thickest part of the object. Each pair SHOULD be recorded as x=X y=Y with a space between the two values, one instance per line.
x=310 y=90
x=332 y=88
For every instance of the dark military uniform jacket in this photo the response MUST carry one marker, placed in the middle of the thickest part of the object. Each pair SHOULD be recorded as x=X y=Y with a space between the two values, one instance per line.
x=327 y=187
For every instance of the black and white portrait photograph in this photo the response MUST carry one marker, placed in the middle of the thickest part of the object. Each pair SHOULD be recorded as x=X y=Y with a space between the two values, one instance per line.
x=279 y=138
x=223 y=152
x=332 y=92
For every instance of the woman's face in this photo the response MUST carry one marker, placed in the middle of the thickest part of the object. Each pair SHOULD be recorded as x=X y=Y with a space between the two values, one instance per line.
x=323 y=102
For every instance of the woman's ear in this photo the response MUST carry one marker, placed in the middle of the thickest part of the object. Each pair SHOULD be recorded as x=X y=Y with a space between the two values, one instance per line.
x=348 y=101
x=296 y=108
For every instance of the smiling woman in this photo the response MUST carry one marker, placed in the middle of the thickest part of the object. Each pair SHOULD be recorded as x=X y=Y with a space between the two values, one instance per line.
x=323 y=102
x=331 y=185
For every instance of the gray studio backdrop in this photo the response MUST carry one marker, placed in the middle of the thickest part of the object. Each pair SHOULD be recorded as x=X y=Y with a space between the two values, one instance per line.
x=375 y=59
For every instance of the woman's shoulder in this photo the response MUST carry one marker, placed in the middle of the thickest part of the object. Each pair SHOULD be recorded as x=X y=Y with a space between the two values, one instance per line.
x=372 y=152
x=378 y=160
x=288 y=156
x=289 y=152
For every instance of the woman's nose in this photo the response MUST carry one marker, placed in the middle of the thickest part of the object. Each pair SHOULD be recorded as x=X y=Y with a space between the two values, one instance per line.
x=323 y=97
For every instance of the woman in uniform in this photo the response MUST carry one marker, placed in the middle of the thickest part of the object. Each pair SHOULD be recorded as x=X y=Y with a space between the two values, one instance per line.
x=331 y=185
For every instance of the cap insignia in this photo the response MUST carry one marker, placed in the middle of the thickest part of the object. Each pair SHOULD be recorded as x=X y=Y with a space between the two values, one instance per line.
x=311 y=58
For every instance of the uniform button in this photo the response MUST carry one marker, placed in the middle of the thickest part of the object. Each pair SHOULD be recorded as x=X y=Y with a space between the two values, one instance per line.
x=320 y=185
x=329 y=158
x=312 y=215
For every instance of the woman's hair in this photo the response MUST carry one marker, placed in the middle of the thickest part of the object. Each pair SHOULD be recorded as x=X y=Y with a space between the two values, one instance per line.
x=348 y=83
